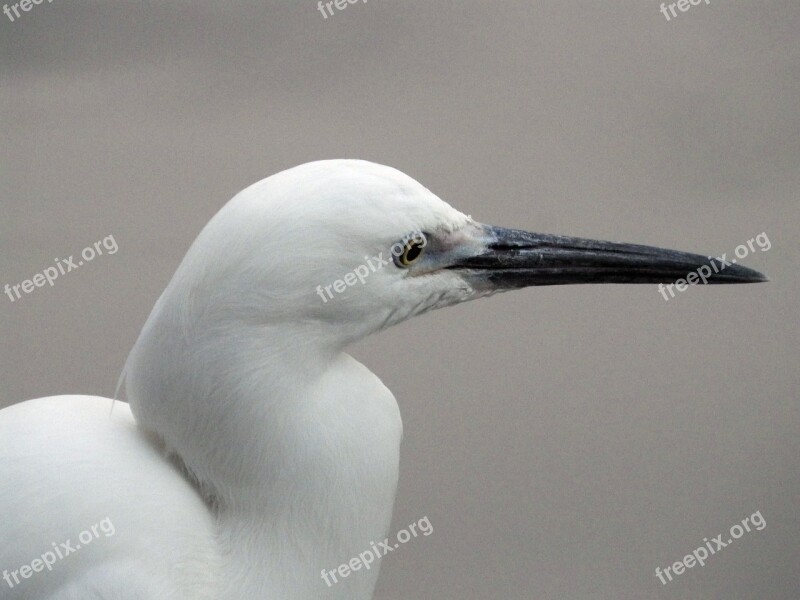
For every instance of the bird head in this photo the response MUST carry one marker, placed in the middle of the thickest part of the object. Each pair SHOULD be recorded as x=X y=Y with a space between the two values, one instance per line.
x=349 y=247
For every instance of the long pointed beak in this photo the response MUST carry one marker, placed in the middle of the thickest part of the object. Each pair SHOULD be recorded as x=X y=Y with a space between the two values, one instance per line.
x=514 y=259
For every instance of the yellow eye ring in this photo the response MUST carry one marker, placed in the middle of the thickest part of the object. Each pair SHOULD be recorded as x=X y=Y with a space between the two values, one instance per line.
x=412 y=251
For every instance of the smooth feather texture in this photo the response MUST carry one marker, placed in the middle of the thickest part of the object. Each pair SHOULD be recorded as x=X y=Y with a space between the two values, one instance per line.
x=285 y=449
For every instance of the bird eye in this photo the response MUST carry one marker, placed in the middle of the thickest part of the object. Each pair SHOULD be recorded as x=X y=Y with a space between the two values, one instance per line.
x=410 y=252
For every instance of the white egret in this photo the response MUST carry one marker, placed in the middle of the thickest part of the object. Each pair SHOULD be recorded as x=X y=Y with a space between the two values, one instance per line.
x=254 y=452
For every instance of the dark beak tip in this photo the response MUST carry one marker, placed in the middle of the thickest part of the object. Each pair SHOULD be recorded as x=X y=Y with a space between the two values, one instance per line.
x=746 y=275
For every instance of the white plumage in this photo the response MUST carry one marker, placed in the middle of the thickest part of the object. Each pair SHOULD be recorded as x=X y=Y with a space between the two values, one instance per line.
x=239 y=372
x=256 y=452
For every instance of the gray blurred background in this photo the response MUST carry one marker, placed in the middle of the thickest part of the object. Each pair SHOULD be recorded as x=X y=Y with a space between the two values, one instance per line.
x=564 y=442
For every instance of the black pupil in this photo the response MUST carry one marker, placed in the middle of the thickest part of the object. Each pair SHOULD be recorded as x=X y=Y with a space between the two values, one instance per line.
x=413 y=251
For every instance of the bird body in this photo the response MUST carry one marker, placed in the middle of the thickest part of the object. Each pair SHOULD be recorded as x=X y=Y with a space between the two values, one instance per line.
x=66 y=465
x=255 y=452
